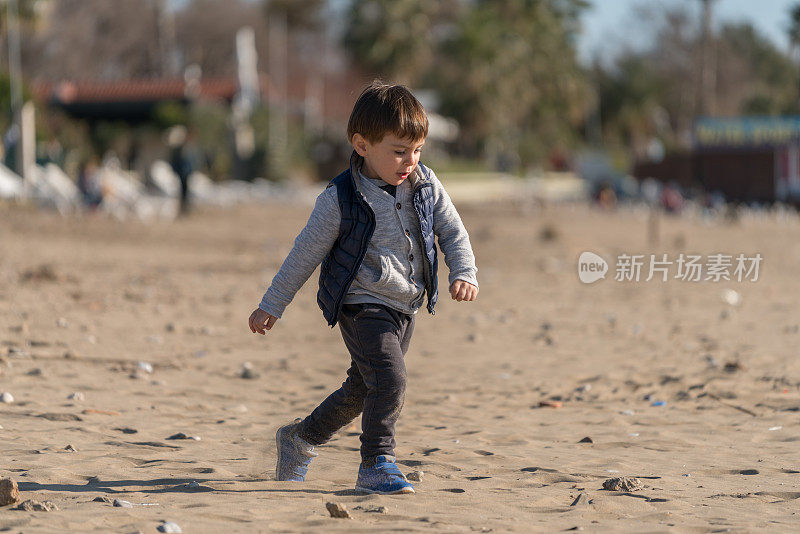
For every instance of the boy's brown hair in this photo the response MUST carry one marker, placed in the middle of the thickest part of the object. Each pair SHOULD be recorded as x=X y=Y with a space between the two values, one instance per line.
x=382 y=109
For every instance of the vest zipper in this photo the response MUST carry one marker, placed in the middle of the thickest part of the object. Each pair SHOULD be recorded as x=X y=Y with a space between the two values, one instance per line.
x=426 y=268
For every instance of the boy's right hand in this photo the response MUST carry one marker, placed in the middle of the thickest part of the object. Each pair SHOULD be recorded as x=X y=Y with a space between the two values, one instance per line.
x=261 y=320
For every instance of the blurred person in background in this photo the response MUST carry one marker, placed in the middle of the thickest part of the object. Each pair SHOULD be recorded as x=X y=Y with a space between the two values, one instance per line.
x=89 y=184
x=181 y=162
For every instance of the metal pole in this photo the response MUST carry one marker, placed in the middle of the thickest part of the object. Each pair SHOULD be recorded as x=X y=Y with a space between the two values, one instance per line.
x=278 y=111
x=15 y=75
x=27 y=145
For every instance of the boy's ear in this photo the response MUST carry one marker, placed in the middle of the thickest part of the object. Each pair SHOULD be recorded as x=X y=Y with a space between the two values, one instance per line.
x=360 y=145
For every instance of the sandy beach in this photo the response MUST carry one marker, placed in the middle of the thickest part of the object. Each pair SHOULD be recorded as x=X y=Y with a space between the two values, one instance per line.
x=695 y=396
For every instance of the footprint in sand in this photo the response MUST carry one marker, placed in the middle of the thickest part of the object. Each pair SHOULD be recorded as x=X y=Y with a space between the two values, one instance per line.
x=730 y=472
x=412 y=463
x=783 y=495
x=552 y=476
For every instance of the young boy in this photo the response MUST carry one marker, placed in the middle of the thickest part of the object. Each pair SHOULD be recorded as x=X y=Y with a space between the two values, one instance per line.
x=373 y=231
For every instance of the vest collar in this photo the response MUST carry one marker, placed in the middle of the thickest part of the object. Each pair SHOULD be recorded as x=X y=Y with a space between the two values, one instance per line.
x=416 y=179
x=355 y=170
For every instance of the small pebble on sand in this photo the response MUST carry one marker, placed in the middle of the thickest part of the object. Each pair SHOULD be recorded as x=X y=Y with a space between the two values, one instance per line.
x=247 y=371
x=731 y=297
x=181 y=435
x=36 y=506
x=371 y=509
x=9 y=492
x=550 y=404
x=623 y=484
x=170 y=527
x=415 y=476
x=337 y=510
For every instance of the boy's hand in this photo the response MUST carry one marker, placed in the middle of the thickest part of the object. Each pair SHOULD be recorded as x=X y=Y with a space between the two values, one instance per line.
x=261 y=320
x=461 y=290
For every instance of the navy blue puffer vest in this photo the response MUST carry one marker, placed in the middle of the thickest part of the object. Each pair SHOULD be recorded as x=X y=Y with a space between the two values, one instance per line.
x=340 y=266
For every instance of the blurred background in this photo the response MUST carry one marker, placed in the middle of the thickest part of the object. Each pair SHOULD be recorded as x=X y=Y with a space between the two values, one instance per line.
x=126 y=106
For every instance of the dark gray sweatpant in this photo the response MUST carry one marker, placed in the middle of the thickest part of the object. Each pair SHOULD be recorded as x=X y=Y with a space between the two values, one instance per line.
x=377 y=337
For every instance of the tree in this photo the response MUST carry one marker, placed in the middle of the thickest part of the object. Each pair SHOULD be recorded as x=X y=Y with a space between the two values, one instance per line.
x=794 y=36
x=26 y=10
x=652 y=92
x=754 y=76
x=509 y=74
x=395 y=38
x=300 y=14
x=631 y=95
x=123 y=39
x=120 y=38
x=205 y=33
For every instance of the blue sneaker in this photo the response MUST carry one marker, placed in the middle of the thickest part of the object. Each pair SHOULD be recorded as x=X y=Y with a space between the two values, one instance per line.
x=294 y=453
x=384 y=477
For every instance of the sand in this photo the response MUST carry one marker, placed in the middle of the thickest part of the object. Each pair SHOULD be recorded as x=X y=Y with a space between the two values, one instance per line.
x=83 y=300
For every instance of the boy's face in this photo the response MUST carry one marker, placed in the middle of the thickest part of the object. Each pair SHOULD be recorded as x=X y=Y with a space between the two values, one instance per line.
x=392 y=159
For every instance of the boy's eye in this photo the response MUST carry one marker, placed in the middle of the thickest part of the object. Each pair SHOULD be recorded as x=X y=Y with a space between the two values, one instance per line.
x=398 y=152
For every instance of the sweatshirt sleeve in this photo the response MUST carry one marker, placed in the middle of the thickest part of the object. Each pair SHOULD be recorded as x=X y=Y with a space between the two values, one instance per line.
x=310 y=248
x=453 y=237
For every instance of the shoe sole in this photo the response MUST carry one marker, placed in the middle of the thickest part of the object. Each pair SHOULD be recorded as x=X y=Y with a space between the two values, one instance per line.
x=407 y=491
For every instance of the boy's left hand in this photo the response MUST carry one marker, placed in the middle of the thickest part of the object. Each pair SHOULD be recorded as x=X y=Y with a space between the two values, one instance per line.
x=461 y=290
